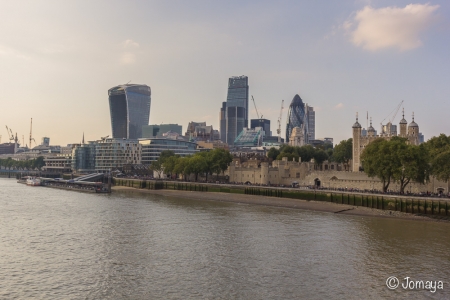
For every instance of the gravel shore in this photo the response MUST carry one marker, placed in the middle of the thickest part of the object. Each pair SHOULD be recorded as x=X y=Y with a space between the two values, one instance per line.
x=281 y=202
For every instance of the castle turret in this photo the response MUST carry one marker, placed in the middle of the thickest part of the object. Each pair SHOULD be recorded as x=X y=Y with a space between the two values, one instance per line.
x=371 y=130
x=413 y=132
x=264 y=173
x=356 y=145
x=403 y=125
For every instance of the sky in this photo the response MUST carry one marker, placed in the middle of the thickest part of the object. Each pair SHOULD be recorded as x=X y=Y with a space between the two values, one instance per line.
x=59 y=58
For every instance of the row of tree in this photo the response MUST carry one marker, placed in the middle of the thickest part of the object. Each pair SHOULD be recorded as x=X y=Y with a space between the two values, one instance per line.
x=208 y=163
x=26 y=165
x=304 y=153
x=396 y=160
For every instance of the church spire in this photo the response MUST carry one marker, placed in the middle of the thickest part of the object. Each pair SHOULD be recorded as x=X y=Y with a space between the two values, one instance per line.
x=83 y=138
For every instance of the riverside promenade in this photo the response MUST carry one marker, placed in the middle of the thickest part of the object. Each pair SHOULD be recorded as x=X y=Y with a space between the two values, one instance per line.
x=351 y=203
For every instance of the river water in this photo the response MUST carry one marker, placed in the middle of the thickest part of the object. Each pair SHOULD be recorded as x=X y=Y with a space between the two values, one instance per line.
x=57 y=244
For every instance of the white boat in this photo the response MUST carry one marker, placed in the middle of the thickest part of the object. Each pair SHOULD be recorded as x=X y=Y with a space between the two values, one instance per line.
x=33 y=181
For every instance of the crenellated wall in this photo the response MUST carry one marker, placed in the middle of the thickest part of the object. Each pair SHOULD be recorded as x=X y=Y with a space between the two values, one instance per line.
x=283 y=172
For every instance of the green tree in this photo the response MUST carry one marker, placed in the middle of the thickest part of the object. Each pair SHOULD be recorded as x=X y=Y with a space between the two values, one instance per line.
x=290 y=156
x=287 y=148
x=221 y=159
x=170 y=163
x=207 y=156
x=38 y=163
x=343 y=152
x=273 y=153
x=305 y=152
x=196 y=164
x=395 y=160
x=320 y=156
x=378 y=161
x=414 y=164
x=181 y=166
x=439 y=153
x=165 y=155
x=157 y=167
x=330 y=154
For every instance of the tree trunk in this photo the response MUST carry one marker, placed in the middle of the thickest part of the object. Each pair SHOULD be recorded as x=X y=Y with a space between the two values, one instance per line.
x=385 y=185
x=403 y=184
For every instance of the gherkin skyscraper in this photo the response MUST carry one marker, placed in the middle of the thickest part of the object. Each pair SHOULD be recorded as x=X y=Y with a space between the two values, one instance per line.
x=297 y=117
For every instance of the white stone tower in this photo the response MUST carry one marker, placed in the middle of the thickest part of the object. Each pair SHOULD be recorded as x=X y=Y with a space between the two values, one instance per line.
x=356 y=145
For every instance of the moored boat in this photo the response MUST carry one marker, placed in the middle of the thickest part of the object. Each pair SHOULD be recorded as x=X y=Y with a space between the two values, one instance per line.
x=33 y=181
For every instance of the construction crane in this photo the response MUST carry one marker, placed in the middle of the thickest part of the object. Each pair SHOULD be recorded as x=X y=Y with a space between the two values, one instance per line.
x=256 y=108
x=104 y=137
x=11 y=136
x=393 y=113
x=279 y=122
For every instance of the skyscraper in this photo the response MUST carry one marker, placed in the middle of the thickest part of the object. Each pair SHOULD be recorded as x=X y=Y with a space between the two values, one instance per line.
x=264 y=123
x=223 y=122
x=311 y=123
x=236 y=110
x=129 y=105
x=297 y=117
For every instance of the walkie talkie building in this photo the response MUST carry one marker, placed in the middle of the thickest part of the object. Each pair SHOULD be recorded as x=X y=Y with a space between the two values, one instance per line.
x=129 y=105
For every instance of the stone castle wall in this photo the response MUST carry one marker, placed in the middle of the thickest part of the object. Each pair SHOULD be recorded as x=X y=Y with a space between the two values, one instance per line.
x=285 y=173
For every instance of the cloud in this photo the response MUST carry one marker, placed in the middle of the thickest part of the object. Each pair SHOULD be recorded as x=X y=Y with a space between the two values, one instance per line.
x=128 y=57
x=338 y=106
x=130 y=44
x=7 y=51
x=390 y=27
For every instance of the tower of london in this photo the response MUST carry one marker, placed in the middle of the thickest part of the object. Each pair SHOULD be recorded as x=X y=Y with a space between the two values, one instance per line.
x=362 y=139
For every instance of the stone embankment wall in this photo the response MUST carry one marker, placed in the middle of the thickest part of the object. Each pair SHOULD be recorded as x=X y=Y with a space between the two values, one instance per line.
x=438 y=207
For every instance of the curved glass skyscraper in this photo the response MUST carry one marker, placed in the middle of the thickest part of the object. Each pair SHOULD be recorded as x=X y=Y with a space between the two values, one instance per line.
x=129 y=105
x=297 y=116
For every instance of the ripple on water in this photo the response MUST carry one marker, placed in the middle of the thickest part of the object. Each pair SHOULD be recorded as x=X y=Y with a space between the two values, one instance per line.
x=66 y=245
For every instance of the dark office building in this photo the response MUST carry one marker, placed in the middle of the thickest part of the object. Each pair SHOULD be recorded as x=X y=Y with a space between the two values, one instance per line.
x=151 y=131
x=7 y=148
x=129 y=105
x=264 y=123
x=223 y=122
x=236 y=110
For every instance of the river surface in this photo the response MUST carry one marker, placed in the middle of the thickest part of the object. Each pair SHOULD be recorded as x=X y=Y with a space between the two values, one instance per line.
x=57 y=244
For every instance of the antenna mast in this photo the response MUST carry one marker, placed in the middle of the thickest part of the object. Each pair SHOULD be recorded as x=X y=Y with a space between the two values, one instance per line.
x=31 y=129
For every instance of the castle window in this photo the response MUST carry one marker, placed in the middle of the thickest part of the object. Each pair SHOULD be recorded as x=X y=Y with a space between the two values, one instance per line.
x=297 y=175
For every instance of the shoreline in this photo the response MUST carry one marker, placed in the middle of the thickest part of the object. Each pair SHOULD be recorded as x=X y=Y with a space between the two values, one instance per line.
x=310 y=205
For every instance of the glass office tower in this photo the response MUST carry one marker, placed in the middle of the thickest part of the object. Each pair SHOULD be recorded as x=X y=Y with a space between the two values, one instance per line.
x=236 y=114
x=297 y=117
x=264 y=123
x=129 y=105
x=311 y=123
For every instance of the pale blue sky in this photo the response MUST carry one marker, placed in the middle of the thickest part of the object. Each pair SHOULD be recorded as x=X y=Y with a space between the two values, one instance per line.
x=59 y=58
